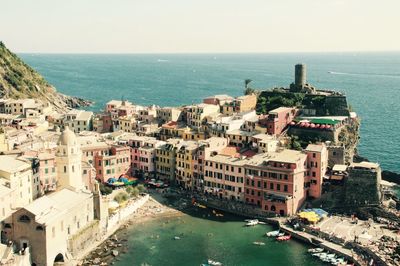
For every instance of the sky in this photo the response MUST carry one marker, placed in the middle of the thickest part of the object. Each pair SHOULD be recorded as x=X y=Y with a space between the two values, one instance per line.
x=199 y=26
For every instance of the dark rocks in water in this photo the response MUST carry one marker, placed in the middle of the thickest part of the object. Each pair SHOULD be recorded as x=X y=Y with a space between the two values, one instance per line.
x=391 y=176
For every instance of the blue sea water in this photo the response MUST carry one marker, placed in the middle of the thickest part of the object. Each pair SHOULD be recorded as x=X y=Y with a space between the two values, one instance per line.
x=370 y=80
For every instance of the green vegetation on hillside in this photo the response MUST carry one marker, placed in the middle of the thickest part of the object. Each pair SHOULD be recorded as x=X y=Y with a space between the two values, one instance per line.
x=19 y=81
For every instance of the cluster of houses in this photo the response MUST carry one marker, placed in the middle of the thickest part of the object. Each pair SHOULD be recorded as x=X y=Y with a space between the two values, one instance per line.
x=52 y=163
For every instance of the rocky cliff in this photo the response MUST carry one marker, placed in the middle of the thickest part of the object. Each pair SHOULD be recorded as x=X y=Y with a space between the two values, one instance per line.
x=18 y=80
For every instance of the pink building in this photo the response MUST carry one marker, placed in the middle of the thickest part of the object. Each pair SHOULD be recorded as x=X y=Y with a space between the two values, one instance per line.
x=317 y=163
x=275 y=181
x=47 y=172
x=116 y=164
x=279 y=118
x=143 y=154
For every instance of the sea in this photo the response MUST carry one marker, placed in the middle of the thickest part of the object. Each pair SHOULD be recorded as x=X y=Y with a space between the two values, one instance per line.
x=223 y=239
x=370 y=80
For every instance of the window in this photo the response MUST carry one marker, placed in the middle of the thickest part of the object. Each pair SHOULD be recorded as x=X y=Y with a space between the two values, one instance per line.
x=285 y=188
x=314 y=155
x=24 y=219
x=39 y=228
x=65 y=169
x=278 y=186
x=313 y=174
x=271 y=185
x=46 y=171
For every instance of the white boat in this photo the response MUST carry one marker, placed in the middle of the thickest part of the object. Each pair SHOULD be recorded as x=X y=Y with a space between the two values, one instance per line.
x=259 y=243
x=319 y=254
x=214 y=263
x=252 y=222
x=316 y=250
x=177 y=238
x=273 y=233
x=259 y=222
x=280 y=234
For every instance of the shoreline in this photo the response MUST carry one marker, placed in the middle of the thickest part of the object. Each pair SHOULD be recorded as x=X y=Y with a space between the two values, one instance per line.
x=107 y=251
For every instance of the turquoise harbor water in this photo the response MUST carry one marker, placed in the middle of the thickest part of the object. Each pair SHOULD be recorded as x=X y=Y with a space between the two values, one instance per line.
x=371 y=81
x=225 y=240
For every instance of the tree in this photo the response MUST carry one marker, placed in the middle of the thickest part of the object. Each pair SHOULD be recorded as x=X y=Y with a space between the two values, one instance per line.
x=132 y=191
x=121 y=197
x=141 y=188
x=247 y=89
x=105 y=190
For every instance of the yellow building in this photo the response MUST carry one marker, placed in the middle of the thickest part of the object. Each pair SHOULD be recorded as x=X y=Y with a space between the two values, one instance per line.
x=165 y=160
x=185 y=154
x=240 y=104
x=127 y=123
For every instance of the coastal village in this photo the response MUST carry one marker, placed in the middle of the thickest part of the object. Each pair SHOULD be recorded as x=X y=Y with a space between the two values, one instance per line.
x=69 y=179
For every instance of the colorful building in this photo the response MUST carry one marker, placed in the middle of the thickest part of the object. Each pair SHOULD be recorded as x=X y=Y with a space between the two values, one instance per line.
x=279 y=118
x=115 y=164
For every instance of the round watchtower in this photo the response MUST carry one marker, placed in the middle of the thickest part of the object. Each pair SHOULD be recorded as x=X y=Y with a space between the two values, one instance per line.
x=300 y=75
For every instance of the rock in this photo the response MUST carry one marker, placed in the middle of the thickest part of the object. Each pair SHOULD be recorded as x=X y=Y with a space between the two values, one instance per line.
x=115 y=253
x=119 y=245
x=96 y=261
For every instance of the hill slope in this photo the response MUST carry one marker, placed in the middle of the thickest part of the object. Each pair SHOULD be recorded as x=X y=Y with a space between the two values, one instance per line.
x=18 y=80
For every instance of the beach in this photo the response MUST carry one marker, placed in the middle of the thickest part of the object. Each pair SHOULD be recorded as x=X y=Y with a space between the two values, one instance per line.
x=107 y=252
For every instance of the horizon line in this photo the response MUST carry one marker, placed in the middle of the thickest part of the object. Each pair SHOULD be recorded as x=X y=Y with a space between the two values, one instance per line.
x=208 y=53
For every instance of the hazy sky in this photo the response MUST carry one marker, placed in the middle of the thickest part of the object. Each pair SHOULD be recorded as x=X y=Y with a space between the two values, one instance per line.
x=136 y=26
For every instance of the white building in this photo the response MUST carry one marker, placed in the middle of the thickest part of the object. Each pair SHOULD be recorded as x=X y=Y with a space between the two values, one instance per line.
x=17 y=175
x=78 y=120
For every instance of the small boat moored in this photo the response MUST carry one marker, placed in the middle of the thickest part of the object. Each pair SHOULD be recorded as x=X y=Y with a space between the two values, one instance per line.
x=284 y=238
x=213 y=262
x=273 y=233
x=259 y=243
x=316 y=250
x=252 y=222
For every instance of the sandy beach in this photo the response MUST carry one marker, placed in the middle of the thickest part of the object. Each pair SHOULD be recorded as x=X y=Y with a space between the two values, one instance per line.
x=157 y=207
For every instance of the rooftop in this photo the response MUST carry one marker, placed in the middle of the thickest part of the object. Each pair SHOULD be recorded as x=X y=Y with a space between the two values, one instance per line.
x=10 y=164
x=51 y=206
x=284 y=156
x=315 y=147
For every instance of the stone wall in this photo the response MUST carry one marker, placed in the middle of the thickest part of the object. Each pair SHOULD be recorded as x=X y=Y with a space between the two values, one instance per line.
x=84 y=239
x=362 y=188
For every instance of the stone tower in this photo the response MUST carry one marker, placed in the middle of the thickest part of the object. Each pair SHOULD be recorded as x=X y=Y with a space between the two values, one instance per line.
x=69 y=161
x=300 y=73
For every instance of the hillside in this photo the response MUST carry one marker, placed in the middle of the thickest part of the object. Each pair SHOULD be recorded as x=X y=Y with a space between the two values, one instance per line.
x=18 y=80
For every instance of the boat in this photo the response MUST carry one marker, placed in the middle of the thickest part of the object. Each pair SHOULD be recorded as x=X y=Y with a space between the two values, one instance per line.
x=214 y=263
x=259 y=243
x=177 y=238
x=316 y=250
x=284 y=238
x=252 y=222
x=273 y=233
x=259 y=222
x=281 y=234
x=319 y=254
x=201 y=206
